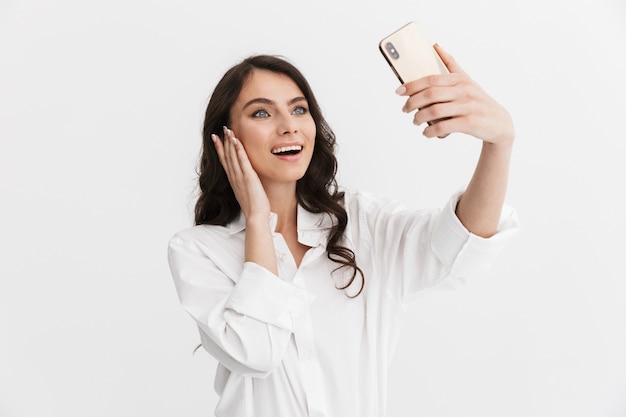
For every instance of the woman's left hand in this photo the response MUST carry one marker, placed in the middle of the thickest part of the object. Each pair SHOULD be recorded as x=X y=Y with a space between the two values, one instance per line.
x=455 y=103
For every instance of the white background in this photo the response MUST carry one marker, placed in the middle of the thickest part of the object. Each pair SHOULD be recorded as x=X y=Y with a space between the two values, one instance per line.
x=101 y=106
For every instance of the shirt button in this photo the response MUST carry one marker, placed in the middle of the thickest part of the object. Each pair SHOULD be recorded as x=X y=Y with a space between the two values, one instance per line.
x=307 y=355
x=283 y=257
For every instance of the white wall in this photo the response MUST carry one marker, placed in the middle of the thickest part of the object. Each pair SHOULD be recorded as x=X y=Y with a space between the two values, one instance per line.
x=101 y=105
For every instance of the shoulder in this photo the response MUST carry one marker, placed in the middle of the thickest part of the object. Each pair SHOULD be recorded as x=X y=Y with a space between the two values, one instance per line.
x=357 y=198
x=207 y=246
x=362 y=202
x=201 y=237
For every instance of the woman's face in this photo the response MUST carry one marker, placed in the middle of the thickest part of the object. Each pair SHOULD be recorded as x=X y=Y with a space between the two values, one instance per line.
x=271 y=119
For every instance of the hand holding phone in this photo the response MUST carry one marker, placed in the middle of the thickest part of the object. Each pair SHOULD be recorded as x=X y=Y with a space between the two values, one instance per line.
x=456 y=103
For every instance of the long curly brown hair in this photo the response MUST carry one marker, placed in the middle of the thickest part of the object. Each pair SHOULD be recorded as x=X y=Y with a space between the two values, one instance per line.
x=316 y=191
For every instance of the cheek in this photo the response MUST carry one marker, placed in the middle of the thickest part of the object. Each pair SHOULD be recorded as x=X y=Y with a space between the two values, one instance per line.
x=252 y=137
x=310 y=130
x=248 y=133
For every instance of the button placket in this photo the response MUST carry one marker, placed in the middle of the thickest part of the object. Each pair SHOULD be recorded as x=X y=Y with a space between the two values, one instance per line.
x=309 y=364
x=286 y=266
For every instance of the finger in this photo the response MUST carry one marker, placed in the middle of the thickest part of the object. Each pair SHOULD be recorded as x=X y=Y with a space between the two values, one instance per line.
x=242 y=157
x=243 y=164
x=231 y=154
x=437 y=80
x=219 y=147
x=448 y=60
x=443 y=128
x=222 y=148
x=437 y=112
x=429 y=97
x=227 y=153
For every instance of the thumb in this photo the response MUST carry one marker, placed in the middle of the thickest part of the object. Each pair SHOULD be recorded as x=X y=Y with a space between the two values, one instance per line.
x=448 y=60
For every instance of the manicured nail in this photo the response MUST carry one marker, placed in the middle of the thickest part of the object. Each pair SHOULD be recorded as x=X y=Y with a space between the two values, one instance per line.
x=213 y=137
x=401 y=90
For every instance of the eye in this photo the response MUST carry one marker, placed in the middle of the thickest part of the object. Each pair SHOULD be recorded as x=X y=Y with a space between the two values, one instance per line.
x=300 y=110
x=260 y=113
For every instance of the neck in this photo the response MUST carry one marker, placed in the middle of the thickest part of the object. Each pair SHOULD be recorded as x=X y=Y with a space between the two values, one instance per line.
x=284 y=203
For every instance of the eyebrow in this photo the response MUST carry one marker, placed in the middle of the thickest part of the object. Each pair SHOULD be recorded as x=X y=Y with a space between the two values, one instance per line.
x=269 y=102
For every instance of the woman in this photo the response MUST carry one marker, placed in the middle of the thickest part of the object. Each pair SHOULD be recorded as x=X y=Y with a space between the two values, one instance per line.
x=299 y=289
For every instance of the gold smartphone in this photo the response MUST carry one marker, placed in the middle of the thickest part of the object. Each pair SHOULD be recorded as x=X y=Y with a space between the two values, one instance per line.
x=410 y=53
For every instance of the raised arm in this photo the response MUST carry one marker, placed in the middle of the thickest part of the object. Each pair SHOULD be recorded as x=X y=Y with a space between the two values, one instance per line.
x=244 y=313
x=252 y=200
x=455 y=103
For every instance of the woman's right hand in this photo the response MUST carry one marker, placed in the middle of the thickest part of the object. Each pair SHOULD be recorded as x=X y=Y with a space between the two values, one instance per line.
x=242 y=177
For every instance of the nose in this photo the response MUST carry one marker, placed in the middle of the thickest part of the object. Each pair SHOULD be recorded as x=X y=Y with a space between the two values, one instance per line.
x=287 y=124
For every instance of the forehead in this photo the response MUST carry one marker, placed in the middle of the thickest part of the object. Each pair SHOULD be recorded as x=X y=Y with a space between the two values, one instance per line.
x=271 y=85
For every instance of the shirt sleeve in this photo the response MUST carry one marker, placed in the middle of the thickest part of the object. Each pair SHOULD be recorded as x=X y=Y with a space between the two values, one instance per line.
x=414 y=250
x=245 y=322
x=465 y=253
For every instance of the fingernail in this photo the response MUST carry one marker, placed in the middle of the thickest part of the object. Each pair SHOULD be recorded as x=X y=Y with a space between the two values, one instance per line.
x=225 y=130
x=213 y=137
x=401 y=90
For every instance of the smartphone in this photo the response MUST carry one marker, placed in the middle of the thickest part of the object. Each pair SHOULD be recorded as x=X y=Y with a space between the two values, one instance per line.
x=410 y=53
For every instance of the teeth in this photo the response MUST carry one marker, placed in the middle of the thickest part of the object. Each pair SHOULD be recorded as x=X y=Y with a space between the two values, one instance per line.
x=287 y=149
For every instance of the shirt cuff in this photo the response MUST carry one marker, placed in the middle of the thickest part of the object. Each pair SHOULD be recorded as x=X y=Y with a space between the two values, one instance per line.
x=263 y=296
x=464 y=252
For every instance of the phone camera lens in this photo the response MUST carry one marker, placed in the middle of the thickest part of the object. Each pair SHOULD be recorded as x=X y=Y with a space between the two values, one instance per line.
x=392 y=50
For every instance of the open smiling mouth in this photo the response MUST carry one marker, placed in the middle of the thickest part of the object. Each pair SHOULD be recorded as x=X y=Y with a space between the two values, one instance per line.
x=287 y=150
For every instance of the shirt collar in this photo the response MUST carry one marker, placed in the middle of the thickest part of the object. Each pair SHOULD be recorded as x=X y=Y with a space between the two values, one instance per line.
x=312 y=227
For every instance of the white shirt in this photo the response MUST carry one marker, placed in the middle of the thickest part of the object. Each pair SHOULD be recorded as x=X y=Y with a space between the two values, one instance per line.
x=295 y=345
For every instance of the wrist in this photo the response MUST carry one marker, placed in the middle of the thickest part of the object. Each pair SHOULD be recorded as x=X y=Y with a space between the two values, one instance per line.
x=504 y=146
x=258 y=220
